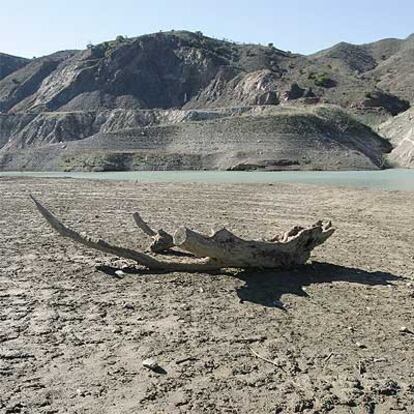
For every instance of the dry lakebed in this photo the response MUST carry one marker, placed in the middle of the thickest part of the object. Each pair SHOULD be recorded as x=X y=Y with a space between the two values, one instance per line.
x=78 y=336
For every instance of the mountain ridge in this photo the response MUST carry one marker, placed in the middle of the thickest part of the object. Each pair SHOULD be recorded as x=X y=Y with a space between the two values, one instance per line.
x=203 y=66
x=200 y=75
x=9 y=64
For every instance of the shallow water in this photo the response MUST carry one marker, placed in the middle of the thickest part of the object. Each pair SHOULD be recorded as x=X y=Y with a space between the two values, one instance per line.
x=396 y=179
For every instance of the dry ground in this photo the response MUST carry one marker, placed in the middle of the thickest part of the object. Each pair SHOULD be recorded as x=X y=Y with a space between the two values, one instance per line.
x=73 y=337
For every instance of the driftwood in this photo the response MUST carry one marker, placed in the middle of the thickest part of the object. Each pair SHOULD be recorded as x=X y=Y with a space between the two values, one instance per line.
x=221 y=250
x=161 y=240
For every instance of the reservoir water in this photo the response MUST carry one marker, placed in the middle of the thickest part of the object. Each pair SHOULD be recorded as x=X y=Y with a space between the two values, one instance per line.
x=394 y=179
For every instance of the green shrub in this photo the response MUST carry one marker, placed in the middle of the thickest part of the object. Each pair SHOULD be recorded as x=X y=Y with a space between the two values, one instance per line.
x=322 y=79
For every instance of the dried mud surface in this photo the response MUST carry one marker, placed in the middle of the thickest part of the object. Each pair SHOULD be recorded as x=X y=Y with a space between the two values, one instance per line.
x=73 y=337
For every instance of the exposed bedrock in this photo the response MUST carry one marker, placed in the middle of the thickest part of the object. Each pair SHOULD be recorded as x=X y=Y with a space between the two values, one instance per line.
x=324 y=138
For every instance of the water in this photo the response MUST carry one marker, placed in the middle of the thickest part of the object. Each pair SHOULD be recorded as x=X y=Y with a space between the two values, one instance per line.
x=396 y=179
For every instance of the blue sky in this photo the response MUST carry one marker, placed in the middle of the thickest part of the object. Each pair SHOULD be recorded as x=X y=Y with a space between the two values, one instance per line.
x=38 y=27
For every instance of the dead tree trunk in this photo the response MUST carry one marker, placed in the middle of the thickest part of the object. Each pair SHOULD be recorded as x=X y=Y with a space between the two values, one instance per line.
x=221 y=250
x=224 y=247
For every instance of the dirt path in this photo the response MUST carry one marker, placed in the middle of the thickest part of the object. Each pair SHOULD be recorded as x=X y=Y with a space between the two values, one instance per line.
x=73 y=338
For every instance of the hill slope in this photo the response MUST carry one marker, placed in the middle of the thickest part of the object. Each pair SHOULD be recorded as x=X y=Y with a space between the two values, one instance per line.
x=19 y=87
x=9 y=64
x=131 y=92
x=184 y=69
x=253 y=138
x=400 y=131
x=387 y=65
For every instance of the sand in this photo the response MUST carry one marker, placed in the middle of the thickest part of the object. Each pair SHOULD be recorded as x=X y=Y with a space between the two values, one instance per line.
x=73 y=335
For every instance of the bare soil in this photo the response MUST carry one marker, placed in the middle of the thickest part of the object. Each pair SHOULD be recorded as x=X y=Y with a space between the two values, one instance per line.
x=324 y=338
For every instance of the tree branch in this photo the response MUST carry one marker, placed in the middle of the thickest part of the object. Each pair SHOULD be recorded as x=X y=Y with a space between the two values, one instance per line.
x=139 y=257
x=161 y=240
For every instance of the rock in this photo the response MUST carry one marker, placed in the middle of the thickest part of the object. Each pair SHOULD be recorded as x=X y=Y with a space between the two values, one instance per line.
x=405 y=330
x=380 y=99
x=268 y=98
x=389 y=387
x=300 y=404
x=151 y=364
x=400 y=131
x=294 y=92
x=80 y=393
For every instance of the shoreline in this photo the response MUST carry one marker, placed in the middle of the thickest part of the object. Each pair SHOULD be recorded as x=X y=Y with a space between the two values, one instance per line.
x=393 y=179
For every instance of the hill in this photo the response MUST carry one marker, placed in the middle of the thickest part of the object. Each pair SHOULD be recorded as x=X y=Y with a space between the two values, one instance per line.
x=400 y=131
x=189 y=70
x=386 y=65
x=9 y=64
x=20 y=86
x=150 y=76
x=263 y=138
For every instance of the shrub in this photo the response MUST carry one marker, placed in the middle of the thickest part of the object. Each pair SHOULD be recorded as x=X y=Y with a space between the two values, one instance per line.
x=322 y=79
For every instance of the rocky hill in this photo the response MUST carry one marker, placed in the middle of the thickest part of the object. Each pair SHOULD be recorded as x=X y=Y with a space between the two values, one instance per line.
x=20 y=86
x=400 y=131
x=9 y=64
x=383 y=66
x=127 y=87
x=262 y=137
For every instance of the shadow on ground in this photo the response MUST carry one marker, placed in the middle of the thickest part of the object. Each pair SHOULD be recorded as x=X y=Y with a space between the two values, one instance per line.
x=267 y=287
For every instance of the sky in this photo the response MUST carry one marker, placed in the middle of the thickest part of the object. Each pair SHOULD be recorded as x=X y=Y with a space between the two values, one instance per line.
x=38 y=27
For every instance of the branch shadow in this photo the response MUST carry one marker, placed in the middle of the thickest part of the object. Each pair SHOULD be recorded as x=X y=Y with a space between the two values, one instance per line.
x=113 y=271
x=177 y=253
x=266 y=287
